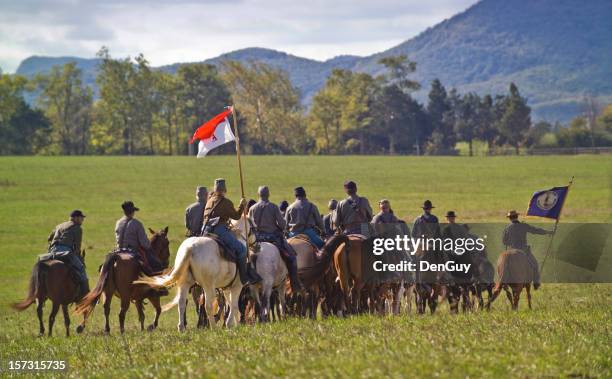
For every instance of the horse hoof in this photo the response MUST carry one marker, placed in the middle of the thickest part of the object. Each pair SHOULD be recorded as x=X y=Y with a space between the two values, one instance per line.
x=107 y=332
x=151 y=328
x=80 y=329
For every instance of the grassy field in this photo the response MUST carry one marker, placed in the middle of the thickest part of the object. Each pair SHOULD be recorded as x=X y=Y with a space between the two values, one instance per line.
x=567 y=334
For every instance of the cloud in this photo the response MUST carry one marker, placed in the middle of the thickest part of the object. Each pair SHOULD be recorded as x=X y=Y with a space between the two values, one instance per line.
x=188 y=30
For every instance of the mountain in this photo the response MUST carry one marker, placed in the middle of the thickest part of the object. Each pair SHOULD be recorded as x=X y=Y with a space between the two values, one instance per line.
x=556 y=51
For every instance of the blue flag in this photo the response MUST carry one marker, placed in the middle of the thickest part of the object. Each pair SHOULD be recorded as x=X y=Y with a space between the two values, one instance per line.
x=547 y=203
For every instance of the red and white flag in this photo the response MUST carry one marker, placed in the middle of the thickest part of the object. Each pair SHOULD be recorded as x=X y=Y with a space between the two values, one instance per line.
x=213 y=133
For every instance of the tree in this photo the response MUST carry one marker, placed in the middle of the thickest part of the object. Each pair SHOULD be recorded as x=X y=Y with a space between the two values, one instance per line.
x=437 y=109
x=167 y=97
x=68 y=105
x=270 y=105
x=466 y=121
x=22 y=129
x=201 y=94
x=516 y=118
x=486 y=126
x=399 y=69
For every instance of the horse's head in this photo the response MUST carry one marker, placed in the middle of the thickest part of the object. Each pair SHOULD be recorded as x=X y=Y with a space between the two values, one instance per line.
x=160 y=245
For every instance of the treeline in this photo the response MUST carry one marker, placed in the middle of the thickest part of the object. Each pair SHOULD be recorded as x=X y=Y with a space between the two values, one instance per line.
x=140 y=110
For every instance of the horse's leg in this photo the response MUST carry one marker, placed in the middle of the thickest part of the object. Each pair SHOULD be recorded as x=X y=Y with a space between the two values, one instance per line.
x=182 y=305
x=141 y=316
x=155 y=303
x=107 y=307
x=508 y=294
x=66 y=319
x=232 y=316
x=494 y=296
x=528 y=289
x=479 y=296
x=54 y=310
x=467 y=304
x=39 y=313
x=516 y=291
x=125 y=305
x=265 y=302
x=209 y=294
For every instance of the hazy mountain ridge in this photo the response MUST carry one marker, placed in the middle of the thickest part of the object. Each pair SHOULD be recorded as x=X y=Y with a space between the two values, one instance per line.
x=556 y=51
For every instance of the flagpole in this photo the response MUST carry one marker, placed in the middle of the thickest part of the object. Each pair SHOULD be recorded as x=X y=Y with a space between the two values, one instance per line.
x=246 y=230
x=548 y=250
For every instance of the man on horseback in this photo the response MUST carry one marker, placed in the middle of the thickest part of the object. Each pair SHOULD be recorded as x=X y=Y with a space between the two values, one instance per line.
x=194 y=214
x=217 y=213
x=67 y=237
x=385 y=222
x=515 y=237
x=426 y=225
x=130 y=235
x=354 y=213
x=328 y=219
x=269 y=226
x=303 y=217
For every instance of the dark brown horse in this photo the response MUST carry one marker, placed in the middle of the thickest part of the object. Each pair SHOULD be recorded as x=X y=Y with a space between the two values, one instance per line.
x=514 y=271
x=312 y=269
x=117 y=275
x=52 y=280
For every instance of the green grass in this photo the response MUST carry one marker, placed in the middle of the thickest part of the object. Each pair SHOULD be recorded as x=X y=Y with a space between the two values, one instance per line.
x=567 y=334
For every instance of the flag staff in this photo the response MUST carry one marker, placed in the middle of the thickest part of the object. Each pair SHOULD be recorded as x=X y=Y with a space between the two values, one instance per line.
x=238 y=150
x=556 y=224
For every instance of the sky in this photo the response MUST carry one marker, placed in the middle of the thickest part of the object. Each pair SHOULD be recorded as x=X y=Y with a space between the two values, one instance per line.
x=189 y=30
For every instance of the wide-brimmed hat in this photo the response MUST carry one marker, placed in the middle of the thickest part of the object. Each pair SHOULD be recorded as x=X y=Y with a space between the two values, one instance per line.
x=77 y=213
x=512 y=214
x=450 y=214
x=129 y=206
x=427 y=205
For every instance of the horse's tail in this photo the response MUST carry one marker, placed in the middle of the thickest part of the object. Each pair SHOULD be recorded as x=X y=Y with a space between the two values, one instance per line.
x=181 y=265
x=90 y=300
x=32 y=290
x=322 y=264
x=502 y=271
x=173 y=303
x=343 y=266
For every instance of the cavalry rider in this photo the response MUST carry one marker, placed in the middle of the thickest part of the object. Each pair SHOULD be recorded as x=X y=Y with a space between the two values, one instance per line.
x=217 y=213
x=269 y=227
x=283 y=207
x=453 y=230
x=384 y=222
x=354 y=213
x=67 y=237
x=130 y=234
x=302 y=217
x=515 y=237
x=194 y=214
x=328 y=219
x=426 y=225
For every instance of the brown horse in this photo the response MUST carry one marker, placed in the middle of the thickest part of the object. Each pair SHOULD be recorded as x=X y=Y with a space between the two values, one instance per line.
x=312 y=268
x=514 y=271
x=347 y=263
x=117 y=275
x=52 y=280
x=430 y=285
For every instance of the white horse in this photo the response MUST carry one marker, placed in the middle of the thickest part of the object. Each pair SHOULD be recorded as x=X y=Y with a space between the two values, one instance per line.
x=199 y=260
x=273 y=272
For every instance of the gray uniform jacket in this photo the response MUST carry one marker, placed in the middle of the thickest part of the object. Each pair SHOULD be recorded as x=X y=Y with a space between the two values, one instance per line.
x=194 y=216
x=130 y=233
x=302 y=214
x=67 y=234
x=266 y=217
x=353 y=211
x=515 y=234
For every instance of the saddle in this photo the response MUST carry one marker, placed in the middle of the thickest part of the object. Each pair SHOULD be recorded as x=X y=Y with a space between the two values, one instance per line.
x=358 y=236
x=305 y=238
x=225 y=251
x=140 y=258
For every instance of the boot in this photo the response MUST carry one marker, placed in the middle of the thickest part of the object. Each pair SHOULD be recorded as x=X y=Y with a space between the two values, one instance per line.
x=247 y=277
x=296 y=284
x=254 y=277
